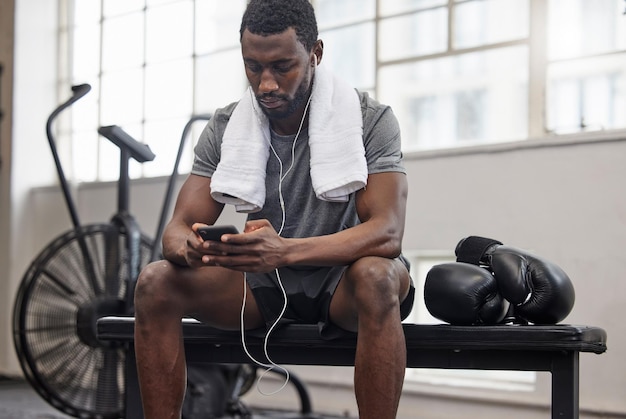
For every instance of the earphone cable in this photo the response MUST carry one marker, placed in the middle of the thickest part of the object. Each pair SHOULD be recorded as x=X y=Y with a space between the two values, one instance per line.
x=271 y=365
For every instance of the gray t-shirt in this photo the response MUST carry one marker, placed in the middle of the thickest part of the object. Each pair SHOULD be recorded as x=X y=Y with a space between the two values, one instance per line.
x=305 y=214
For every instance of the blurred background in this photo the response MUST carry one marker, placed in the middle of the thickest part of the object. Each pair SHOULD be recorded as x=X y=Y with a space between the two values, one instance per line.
x=513 y=117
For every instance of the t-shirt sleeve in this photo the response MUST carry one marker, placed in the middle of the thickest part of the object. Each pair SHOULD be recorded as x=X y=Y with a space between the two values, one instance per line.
x=208 y=149
x=381 y=137
x=206 y=153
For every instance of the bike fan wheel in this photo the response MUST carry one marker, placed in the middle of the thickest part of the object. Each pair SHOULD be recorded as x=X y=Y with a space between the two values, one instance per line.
x=80 y=276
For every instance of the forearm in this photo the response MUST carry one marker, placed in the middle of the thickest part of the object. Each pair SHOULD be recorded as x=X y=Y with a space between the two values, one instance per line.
x=381 y=208
x=194 y=205
x=369 y=239
x=175 y=243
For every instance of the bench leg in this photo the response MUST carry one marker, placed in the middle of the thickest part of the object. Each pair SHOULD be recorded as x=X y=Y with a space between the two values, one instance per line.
x=134 y=410
x=565 y=385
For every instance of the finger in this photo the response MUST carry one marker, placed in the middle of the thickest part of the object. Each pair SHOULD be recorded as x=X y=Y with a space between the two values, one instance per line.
x=231 y=241
x=238 y=263
x=253 y=225
x=195 y=226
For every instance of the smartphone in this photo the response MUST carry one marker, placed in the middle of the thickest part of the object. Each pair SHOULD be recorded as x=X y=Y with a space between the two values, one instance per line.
x=214 y=233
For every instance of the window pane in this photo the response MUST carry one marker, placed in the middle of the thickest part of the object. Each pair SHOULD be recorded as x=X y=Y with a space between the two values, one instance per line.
x=164 y=140
x=490 y=21
x=334 y=12
x=470 y=98
x=169 y=89
x=388 y=7
x=85 y=42
x=217 y=24
x=150 y=3
x=417 y=34
x=85 y=155
x=220 y=79
x=587 y=94
x=122 y=42
x=117 y=7
x=349 y=52
x=584 y=27
x=122 y=97
x=169 y=33
x=86 y=12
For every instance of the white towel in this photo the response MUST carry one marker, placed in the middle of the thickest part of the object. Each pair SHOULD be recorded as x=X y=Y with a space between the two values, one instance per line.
x=239 y=178
x=338 y=165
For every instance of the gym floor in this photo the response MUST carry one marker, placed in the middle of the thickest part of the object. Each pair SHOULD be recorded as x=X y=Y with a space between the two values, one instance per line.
x=18 y=400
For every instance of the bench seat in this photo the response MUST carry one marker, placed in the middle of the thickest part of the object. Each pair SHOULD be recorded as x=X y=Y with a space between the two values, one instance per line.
x=553 y=348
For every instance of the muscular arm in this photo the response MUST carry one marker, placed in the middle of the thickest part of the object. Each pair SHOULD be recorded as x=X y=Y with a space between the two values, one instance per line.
x=193 y=205
x=381 y=208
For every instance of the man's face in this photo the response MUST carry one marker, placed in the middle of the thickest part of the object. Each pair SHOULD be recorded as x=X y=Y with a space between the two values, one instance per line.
x=279 y=70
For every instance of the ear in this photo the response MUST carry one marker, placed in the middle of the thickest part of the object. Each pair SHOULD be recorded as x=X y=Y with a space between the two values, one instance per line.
x=318 y=52
x=315 y=59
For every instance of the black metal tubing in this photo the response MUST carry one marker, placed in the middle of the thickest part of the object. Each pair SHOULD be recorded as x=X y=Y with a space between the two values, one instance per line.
x=156 y=249
x=135 y=149
x=77 y=92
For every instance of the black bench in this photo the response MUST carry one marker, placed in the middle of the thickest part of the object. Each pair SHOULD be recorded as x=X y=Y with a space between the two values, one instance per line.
x=508 y=347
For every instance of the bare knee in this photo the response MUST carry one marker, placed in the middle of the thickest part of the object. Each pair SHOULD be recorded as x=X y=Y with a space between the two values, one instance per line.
x=154 y=291
x=375 y=285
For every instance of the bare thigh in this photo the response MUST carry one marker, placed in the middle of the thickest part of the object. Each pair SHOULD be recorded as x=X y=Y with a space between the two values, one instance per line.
x=213 y=295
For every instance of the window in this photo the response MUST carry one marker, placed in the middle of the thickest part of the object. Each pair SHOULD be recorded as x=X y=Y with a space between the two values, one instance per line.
x=152 y=64
x=458 y=99
x=465 y=60
x=586 y=81
x=421 y=263
x=456 y=72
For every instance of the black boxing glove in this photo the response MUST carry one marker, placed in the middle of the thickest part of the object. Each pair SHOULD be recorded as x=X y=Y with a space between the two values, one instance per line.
x=463 y=294
x=540 y=291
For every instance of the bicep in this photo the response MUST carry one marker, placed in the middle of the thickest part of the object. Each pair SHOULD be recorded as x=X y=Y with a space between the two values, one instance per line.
x=195 y=204
x=384 y=199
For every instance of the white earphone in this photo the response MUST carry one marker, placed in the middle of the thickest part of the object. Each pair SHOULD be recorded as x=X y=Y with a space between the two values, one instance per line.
x=271 y=365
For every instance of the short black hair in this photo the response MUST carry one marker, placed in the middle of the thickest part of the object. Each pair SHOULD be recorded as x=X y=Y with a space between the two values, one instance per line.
x=270 y=17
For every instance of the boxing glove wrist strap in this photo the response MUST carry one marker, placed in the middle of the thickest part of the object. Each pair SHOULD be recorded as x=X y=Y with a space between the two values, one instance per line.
x=472 y=249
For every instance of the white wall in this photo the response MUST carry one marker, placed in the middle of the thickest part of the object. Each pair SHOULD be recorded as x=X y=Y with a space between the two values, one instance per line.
x=28 y=161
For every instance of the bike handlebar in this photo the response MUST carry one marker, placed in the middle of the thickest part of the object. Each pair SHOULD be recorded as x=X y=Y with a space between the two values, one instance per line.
x=78 y=92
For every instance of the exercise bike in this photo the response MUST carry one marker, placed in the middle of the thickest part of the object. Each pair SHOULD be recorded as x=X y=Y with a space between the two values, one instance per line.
x=90 y=272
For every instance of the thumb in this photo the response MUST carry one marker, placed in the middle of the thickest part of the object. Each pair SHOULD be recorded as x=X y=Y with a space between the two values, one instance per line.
x=253 y=225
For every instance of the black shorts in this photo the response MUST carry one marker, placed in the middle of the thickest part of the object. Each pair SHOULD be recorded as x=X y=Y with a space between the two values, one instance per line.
x=309 y=292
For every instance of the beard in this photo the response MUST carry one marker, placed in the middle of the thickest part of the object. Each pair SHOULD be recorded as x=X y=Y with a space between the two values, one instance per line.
x=299 y=98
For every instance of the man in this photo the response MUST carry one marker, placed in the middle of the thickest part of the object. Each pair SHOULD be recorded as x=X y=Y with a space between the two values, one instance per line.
x=337 y=258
